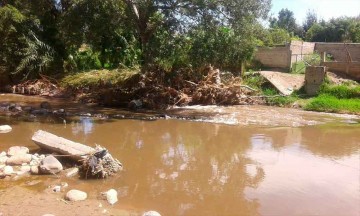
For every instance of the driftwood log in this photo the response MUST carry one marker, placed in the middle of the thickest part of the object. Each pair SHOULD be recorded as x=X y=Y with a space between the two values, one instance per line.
x=95 y=162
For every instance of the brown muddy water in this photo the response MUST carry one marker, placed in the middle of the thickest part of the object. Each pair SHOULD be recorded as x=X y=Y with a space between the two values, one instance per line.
x=238 y=161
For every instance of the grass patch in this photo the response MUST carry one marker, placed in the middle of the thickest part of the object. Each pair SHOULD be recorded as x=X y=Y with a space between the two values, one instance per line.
x=275 y=99
x=330 y=103
x=98 y=78
x=254 y=80
x=341 y=91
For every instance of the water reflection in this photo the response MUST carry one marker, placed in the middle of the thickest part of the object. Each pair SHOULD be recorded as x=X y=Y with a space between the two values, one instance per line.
x=192 y=168
x=85 y=125
x=298 y=181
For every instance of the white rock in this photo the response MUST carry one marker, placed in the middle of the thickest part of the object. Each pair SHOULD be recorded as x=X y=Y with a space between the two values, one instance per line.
x=34 y=170
x=3 y=159
x=111 y=196
x=8 y=170
x=50 y=165
x=72 y=172
x=25 y=168
x=20 y=173
x=2 y=154
x=57 y=189
x=18 y=159
x=5 y=128
x=151 y=213
x=76 y=195
x=15 y=150
x=48 y=215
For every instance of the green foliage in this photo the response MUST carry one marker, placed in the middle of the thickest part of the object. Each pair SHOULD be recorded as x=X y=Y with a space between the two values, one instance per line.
x=184 y=16
x=308 y=60
x=279 y=36
x=341 y=91
x=220 y=47
x=274 y=99
x=24 y=53
x=343 y=29
x=36 y=58
x=336 y=98
x=310 y=20
x=86 y=59
x=281 y=101
x=12 y=28
x=329 y=103
x=286 y=21
x=254 y=80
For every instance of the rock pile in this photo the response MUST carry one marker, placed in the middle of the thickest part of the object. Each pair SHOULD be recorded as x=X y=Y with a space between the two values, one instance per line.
x=18 y=161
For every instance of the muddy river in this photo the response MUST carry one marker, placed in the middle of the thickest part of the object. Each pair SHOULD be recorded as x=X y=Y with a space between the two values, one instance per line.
x=235 y=161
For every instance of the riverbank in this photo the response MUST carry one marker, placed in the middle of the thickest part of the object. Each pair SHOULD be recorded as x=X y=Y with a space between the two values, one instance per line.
x=152 y=91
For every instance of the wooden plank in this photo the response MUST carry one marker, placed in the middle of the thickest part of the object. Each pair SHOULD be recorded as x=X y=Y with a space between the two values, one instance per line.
x=53 y=143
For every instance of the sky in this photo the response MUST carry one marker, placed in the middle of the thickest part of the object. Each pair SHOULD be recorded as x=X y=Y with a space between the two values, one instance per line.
x=325 y=9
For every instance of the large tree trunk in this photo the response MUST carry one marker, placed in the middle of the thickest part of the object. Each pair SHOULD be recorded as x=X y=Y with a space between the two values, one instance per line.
x=142 y=19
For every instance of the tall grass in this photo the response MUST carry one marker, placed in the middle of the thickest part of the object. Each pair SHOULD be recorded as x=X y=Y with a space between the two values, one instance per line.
x=341 y=91
x=328 y=103
x=340 y=99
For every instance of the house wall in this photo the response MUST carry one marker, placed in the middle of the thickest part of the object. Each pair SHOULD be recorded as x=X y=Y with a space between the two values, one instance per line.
x=340 y=50
x=273 y=57
x=352 y=69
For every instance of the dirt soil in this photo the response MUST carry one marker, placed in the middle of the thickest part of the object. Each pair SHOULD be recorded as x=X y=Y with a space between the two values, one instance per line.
x=18 y=200
x=339 y=78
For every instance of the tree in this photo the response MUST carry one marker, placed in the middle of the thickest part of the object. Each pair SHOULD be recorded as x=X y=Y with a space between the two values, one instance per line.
x=310 y=20
x=102 y=25
x=180 y=15
x=343 y=29
x=285 y=20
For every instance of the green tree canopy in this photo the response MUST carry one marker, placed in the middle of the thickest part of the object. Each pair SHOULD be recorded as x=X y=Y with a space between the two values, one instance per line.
x=343 y=29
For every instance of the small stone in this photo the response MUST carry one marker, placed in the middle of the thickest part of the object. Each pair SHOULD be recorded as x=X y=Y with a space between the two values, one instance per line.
x=71 y=172
x=76 y=195
x=34 y=182
x=34 y=170
x=18 y=159
x=15 y=150
x=26 y=168
x=8 y=170
x=48 y=215
x=64 y=184
x=50 y=165
x=2 y=154
x=111 y=196
x=20 y=173
x=5 y=128
x=57 y=189
x=151 y=213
